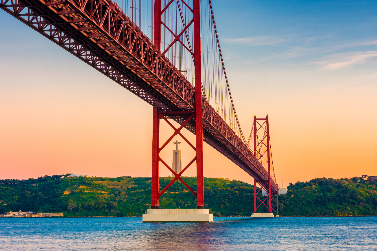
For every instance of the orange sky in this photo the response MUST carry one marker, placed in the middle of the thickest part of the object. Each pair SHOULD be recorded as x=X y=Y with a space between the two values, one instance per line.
x=99 y=129
x=58 y=115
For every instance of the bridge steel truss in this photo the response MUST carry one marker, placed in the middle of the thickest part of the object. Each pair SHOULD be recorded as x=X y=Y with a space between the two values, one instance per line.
x=101 y=35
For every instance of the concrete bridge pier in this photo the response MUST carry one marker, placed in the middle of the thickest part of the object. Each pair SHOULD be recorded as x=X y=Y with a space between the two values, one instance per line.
x=263 y=215
x=177 y=215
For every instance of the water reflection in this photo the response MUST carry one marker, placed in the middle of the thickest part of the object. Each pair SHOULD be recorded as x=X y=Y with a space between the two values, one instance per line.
x=223 y=234
x=186 y=236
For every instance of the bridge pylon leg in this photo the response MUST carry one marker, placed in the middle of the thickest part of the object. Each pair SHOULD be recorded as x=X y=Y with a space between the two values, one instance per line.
x=255 y=196
x=198 y=105
x=269 y=166
x=155 y=161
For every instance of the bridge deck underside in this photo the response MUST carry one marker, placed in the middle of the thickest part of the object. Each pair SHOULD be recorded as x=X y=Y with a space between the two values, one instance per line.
x=101 y=35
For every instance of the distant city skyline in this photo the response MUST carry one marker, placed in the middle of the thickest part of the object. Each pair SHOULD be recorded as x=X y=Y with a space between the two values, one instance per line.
x=310 y=65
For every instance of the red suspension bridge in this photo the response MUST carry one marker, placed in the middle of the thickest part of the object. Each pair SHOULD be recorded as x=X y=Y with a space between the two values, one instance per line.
x=167 y=52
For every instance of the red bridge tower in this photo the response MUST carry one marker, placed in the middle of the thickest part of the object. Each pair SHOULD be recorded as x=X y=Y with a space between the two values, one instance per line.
x=185 y=116
x=262 y=151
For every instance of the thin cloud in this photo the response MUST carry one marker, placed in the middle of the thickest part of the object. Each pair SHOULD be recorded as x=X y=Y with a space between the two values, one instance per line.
x=369 y=42
x=342 y=60
x=305 y=51
x=256 y=41
x=309 y=40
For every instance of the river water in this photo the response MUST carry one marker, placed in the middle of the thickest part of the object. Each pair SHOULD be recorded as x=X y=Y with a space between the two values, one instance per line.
x=225 y=233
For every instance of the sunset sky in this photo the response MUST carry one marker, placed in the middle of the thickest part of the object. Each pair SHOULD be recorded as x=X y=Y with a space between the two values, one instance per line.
x=310 y=65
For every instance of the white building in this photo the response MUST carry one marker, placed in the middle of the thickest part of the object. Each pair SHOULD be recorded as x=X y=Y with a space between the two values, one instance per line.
x=281 y=191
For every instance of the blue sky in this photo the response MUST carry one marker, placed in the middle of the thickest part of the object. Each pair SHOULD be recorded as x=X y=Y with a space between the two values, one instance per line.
x=294 y=33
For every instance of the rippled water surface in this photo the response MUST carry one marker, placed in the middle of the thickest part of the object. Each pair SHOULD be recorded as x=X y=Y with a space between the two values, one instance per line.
x=351 y=233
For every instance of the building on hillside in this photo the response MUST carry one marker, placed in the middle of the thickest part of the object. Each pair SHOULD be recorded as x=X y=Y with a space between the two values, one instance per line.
x=371 y=178
x=48 y=215
x=281 y=191
x=21 y=214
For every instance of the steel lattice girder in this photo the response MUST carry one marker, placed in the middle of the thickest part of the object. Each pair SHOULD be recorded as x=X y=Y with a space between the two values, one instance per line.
x=100 y=34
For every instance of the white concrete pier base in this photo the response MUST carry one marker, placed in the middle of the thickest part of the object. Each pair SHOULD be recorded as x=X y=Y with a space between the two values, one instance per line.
x=177 y=215
x=262 y=215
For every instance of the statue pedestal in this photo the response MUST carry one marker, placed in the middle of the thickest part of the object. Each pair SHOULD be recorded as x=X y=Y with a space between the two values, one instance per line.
x=177 y=215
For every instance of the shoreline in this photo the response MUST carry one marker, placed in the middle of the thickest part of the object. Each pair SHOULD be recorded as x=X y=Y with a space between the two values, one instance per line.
x=350 y=216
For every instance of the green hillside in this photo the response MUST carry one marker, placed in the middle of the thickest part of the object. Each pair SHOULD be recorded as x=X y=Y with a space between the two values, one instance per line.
x=330 y=197
x=126 y=196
